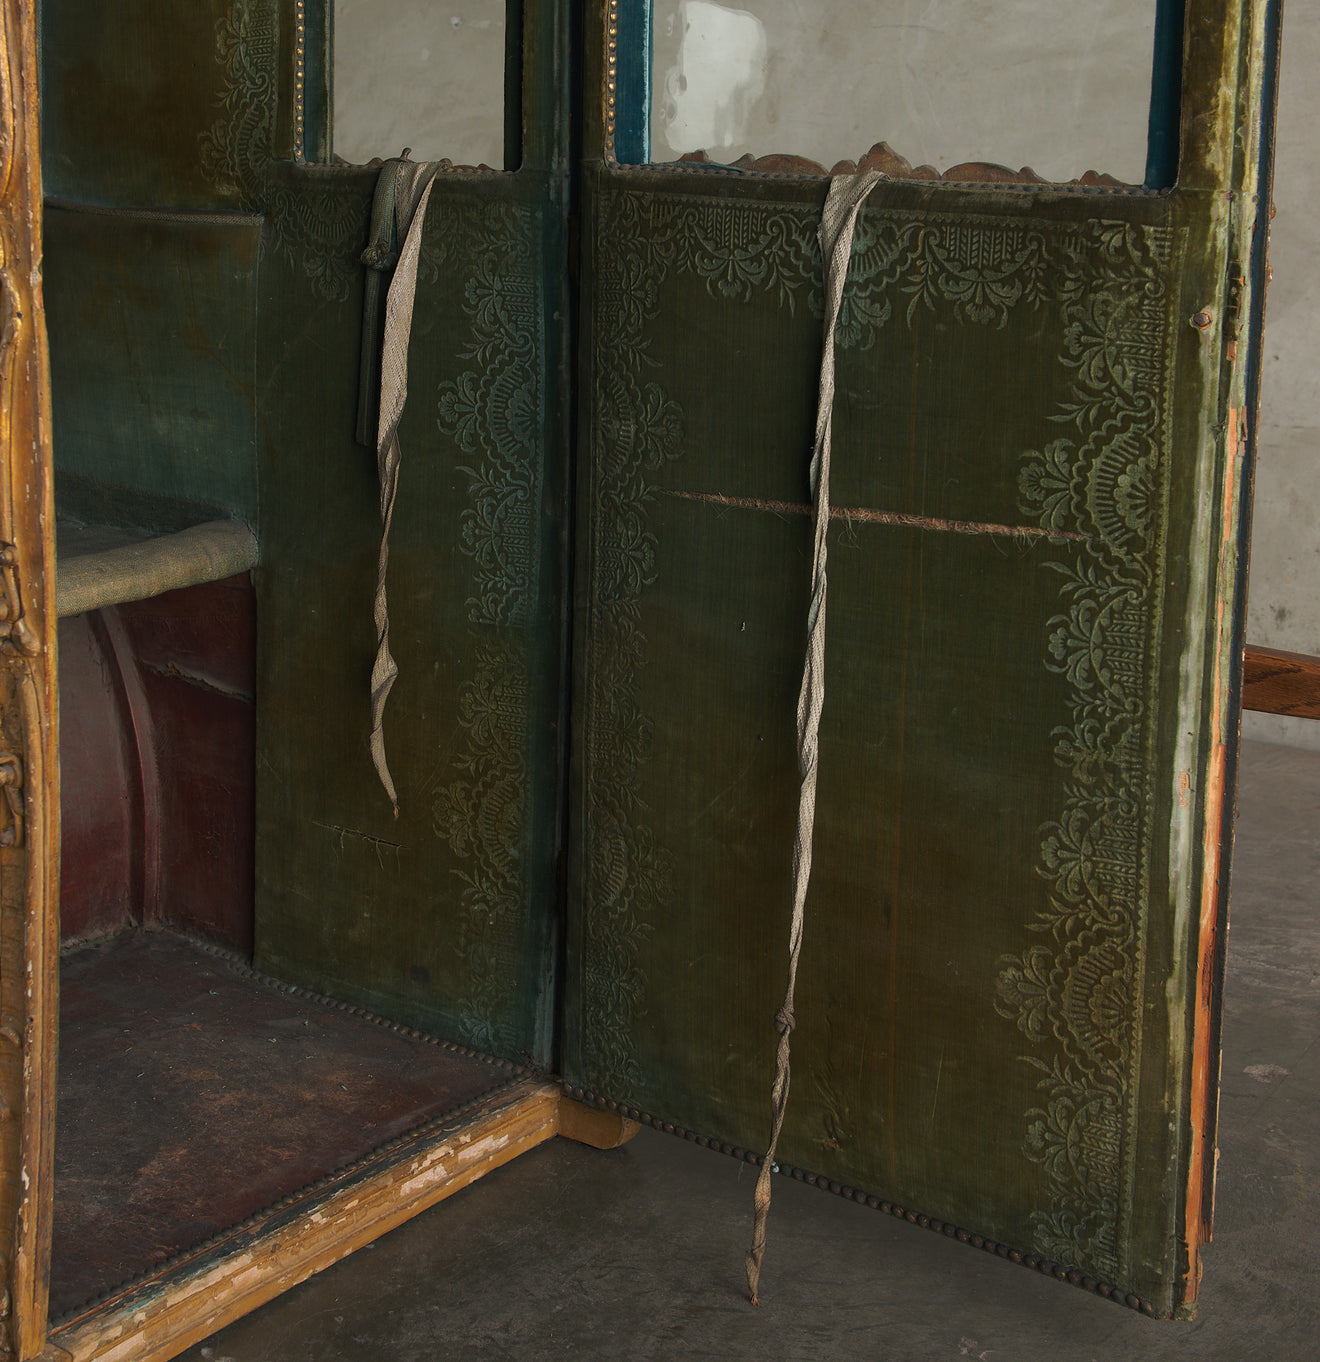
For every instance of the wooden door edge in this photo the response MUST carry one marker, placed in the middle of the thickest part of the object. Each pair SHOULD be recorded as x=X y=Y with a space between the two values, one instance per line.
x=158 y=1319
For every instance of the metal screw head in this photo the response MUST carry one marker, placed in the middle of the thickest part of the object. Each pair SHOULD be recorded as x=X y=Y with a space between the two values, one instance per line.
x=1203 y=321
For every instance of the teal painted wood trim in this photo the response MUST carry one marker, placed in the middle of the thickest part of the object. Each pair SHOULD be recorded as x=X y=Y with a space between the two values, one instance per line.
x=632 y=120
x=1165 y=96
x=313 y=142
x=513 y=84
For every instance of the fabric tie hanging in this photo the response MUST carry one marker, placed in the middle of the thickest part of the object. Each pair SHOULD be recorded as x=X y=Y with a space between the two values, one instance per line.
x=398 y=215
x=838 y=223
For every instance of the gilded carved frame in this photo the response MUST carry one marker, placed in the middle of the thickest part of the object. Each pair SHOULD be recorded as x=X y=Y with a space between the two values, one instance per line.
x=29 y=774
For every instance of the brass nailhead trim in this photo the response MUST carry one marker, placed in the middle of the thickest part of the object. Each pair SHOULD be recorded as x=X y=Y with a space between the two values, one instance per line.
x=611 y=77
x=1049 y=1269
x=300 y=81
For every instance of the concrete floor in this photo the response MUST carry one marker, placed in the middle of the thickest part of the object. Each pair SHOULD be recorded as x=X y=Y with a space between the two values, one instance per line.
x=569 y=1253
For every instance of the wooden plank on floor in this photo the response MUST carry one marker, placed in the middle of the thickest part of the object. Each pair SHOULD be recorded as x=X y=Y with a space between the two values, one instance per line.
x=1276 y=682
x=599 y=1129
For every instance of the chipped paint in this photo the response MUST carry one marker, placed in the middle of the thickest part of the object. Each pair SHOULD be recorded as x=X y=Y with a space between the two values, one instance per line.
x=176 y=1310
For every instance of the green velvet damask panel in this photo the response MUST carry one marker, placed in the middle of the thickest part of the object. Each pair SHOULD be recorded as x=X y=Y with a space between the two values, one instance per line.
x=161 y=103
x=997 y=946
x=153 y=320
x=159 y=132
x=443 y=917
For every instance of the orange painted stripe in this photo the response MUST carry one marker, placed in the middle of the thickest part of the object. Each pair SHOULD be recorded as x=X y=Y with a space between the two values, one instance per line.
x=1199 y=1227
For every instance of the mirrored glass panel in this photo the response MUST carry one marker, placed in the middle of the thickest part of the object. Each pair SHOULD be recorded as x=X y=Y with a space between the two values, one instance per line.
x=420 y=74
x=1057 y=86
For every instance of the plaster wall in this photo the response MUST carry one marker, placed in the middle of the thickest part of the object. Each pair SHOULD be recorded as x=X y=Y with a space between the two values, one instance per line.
x=424 y=74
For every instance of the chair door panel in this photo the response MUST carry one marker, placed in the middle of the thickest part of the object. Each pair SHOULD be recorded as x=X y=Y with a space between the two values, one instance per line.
x=1002 y=1012
x=443 y=916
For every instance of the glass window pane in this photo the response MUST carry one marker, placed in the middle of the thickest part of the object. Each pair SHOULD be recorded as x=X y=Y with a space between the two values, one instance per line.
x=415 y=73
x=1060 y=87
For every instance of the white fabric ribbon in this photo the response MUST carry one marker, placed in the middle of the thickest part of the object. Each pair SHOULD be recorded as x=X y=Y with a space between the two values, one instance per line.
x=838 y=223
x=411 y=185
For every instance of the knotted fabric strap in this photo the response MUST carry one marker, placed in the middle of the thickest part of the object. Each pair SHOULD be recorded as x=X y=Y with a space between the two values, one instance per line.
x=402 y=193
x=380 y=257
x=838 y=222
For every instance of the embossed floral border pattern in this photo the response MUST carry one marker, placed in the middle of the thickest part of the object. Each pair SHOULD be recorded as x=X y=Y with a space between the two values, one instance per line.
x=316 y=226
x=238 y=148
x=636 y=430
x=1078 y=995
x=482 y=814
x=495 y=410
x=494 y=413
x=1103 y=482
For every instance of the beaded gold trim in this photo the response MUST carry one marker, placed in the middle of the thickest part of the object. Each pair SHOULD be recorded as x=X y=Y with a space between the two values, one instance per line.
x=300 y=81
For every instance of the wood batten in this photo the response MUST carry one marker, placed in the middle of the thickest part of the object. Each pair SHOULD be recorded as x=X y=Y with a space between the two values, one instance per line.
x=1276 y=682
x=599 y=1129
